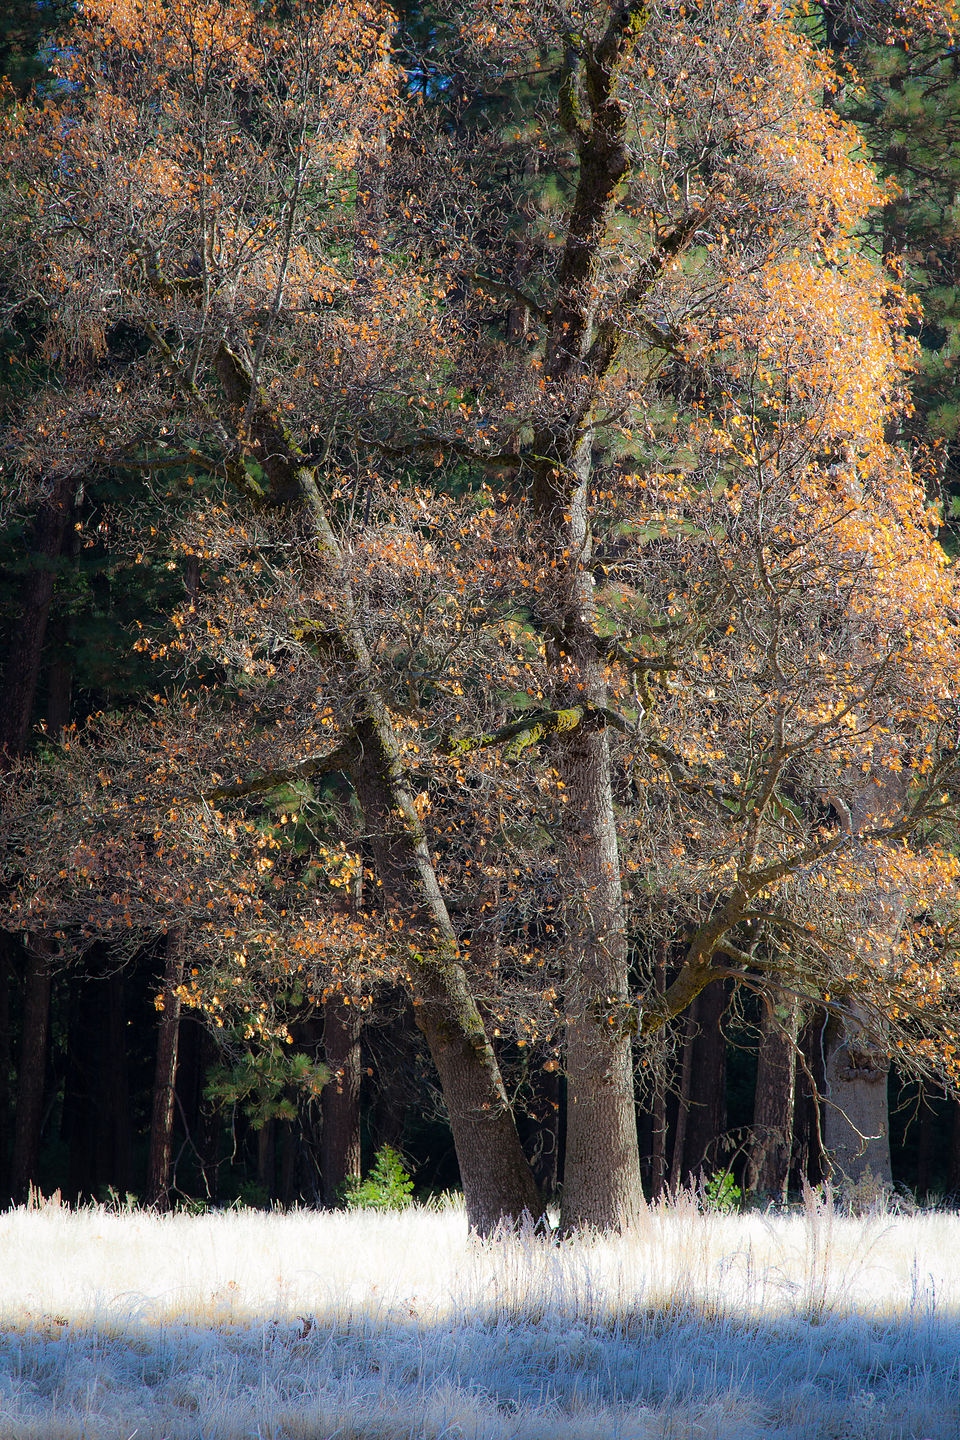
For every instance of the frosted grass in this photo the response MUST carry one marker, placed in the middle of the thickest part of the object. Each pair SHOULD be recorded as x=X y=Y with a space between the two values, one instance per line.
x=383 y=1327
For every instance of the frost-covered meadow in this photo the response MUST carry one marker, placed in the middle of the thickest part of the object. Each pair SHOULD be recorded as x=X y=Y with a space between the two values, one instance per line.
x=376 y=1327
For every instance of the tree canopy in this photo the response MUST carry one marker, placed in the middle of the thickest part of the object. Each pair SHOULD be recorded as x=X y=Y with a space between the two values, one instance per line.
x=556 y=591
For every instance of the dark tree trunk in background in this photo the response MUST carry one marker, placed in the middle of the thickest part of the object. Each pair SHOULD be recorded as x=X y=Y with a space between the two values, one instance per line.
x=96 y=1105
x=208 y=1128
x=288 y=1163
x=771 y=1143
x=545 y=1111
x=266 y=1158
x=115 y=1087
x=59 y=677
x=926 y=1125
x=21 y=672
x=392 y=1049
x=707 y=1110
x=24 y=1166
x=683 y=1101
x=79 y=1119
x=21 y=675
x=340 y=1101
x=953 y=1168
x=6 y=1061
x=809 y=1162
x=165 y=1078
x=658 y=1109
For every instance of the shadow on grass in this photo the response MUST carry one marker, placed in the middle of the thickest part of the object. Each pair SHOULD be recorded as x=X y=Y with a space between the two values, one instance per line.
x=488 y=1372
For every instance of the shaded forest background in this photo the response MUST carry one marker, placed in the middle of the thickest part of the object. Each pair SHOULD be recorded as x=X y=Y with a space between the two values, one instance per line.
x=85 y=1049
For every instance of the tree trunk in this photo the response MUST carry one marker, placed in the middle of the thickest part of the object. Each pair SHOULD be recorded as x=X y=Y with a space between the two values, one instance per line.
x=22 y=669
x=856 y=1127
x=953 y=1169
x=856 y=1121
x=602 y=1164
x=496 y=1176
x=165 y=1078
x=602 y=1161
x=115 y=1091
x=707 y=1113
x=266 y=1159
x=497 y=1179
x=683 y=1103
x=20 y=678
x=809 y=1158
x=926 y=1125
x=771 y=1141
x=80 y=1116
x=6 y=1061
x=658 y=1113
x=25 y=1164
x=340 y=1101
x=545 y=1109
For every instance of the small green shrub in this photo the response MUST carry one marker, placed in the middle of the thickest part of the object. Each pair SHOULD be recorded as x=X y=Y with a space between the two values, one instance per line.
x=387 y=1186
x=720 y=1194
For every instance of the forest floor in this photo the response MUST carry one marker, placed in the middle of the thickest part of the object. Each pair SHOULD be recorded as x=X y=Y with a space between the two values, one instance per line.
x=365 y=1326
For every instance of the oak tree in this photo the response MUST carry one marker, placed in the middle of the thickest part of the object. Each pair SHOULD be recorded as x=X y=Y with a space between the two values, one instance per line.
x=567 y=535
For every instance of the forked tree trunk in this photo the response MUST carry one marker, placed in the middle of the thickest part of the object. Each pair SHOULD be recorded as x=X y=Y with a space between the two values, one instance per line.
x=602 y=1161
x=165 y=1078
x=771 y=1140
x=340 y=1099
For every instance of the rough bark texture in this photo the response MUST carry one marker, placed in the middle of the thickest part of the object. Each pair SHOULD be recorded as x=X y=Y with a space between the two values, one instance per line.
x=602 y=1161
x=771 y=1141
x=856 y=1128
x=165 y=1079
x=340 y=1101
x=497 y=1179
x=856 y=1123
